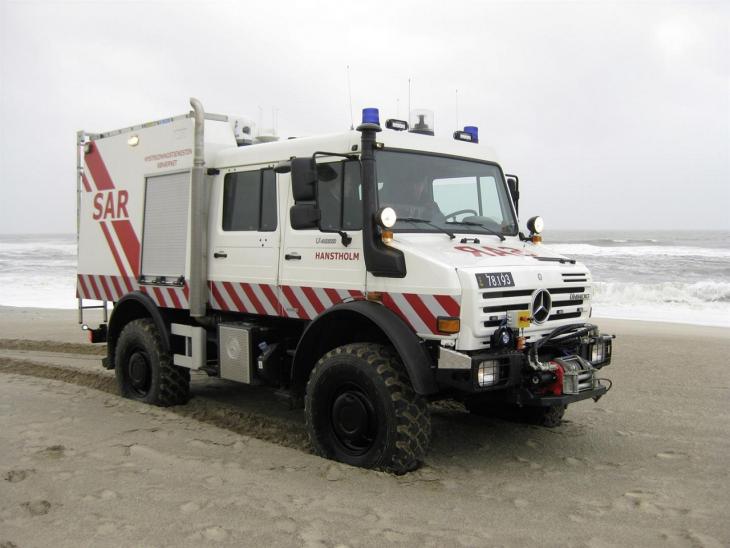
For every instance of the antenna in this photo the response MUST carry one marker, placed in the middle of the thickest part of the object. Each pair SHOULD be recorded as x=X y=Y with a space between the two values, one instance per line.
x=409 y=97
x=349 y=93
x=457 y=109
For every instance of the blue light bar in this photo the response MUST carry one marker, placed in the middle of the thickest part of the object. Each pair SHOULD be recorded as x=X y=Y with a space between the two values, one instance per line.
x=474 y=132
x=370 y=116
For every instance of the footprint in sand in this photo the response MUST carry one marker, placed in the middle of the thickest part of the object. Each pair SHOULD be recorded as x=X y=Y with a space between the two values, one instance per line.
x=7 y=544
x=14 y=476
x=217 y=534
x=53 y=451
x=37 y=507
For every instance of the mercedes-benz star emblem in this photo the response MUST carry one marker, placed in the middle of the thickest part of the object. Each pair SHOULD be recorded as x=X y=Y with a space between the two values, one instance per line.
x=541 y=305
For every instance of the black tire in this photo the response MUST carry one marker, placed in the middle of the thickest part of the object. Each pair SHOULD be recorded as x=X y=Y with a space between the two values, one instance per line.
x=361 y=409
x=144 y=371
x=549 y=417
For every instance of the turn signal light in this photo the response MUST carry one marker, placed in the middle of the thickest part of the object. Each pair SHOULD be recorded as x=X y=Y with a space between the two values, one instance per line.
x=536 y=239
x=376 y=296
x=448 y=325
x=386 y=236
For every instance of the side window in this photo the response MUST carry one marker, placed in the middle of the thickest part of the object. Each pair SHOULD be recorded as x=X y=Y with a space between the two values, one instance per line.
x=329 y=194
x=249 y=201
x=352 y=211
x=339 y=195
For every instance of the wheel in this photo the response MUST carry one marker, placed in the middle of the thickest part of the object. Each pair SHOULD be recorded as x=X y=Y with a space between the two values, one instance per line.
x=550 y=416
x=361 y=409
x=144 y=371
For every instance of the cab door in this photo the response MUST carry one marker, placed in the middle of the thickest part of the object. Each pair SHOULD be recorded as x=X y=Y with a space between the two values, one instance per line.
x=316 y=269
x=244 y=236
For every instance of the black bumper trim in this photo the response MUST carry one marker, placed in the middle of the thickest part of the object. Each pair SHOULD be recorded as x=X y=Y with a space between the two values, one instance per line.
x=528 y=399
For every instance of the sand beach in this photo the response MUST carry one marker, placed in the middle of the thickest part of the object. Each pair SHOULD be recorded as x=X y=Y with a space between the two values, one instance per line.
x=79 y=466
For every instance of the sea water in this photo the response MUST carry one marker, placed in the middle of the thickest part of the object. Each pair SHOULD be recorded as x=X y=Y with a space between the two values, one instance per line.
x=648 y=275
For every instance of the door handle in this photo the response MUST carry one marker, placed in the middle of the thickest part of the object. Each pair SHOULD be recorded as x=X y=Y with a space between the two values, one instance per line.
x=293 y=257
x=220 y=255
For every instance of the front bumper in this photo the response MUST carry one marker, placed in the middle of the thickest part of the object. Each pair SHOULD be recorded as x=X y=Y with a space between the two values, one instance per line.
x=513 y=380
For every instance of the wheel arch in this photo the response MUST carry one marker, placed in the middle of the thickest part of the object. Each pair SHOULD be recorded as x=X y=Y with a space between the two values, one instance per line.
x=132 y=306
x=362 y=321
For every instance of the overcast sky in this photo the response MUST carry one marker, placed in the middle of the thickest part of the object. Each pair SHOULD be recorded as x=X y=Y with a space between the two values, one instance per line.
x=613 y=114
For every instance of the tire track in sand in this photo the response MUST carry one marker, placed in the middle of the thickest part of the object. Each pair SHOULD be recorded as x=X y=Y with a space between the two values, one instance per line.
x=255 y=425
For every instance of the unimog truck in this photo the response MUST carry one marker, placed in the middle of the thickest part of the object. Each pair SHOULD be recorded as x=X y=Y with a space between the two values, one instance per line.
x=362 y=274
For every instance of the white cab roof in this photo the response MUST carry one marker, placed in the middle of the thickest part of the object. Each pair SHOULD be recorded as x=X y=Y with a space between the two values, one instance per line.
x=343 y=143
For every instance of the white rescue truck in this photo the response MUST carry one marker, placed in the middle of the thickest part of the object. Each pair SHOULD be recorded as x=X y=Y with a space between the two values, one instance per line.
x=363 y=273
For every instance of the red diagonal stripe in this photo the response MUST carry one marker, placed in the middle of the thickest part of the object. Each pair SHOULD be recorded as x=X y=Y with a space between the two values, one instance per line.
x=94 y=288
x=237 y=302
x=271 y=296
x=186 y=291
x=449 y=303
x=130 y=243
x=422 y=310
x=218 y=297
x=313 y=299
x=355 y=293
x=108 y=295
x=254 y=299
x=173 y=296
x=85 y=181
x=84 y=290
x=117 y=285
x=333 y=295
x=160 y=297
x=292 y=298
x=97 y=168
x=113 y=248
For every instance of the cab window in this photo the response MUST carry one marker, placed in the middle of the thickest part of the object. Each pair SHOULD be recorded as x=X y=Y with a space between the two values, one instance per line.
x=339 y=195
x=249 y=201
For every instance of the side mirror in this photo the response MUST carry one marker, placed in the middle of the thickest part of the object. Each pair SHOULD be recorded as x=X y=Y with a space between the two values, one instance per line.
x=303 y=216
x=513 y=184
x=303 y=179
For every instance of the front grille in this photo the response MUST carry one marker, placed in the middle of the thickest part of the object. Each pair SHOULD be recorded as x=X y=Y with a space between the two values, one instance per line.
x=559 y=290
x=569 y=277
x=567 y=304
x=564 y=316
x=507 y=294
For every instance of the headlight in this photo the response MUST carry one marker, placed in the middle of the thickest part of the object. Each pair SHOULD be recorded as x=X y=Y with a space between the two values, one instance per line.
x=598 y=352
x=488 y=373
x=535 y=224
x=386 y=217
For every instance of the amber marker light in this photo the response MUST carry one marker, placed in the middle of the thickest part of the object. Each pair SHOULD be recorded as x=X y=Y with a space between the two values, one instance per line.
x=387 y=236
x=448 y=325
x=536 y=239
x=376 y=296
x=521 y=343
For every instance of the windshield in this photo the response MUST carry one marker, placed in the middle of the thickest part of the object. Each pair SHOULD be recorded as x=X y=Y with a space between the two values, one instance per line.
x=432 y=193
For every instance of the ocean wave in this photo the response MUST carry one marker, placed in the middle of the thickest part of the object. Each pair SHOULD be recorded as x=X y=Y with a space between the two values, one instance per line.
x=697 y=293
x=638 y=251
x=703 y=303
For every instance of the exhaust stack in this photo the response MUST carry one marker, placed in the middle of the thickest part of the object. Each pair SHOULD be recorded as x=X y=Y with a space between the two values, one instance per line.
x=198 y=219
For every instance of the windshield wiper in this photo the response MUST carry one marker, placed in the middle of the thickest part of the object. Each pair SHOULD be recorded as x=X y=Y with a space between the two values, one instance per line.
x=555 y=260
x=472 y=223
x=429 y=223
